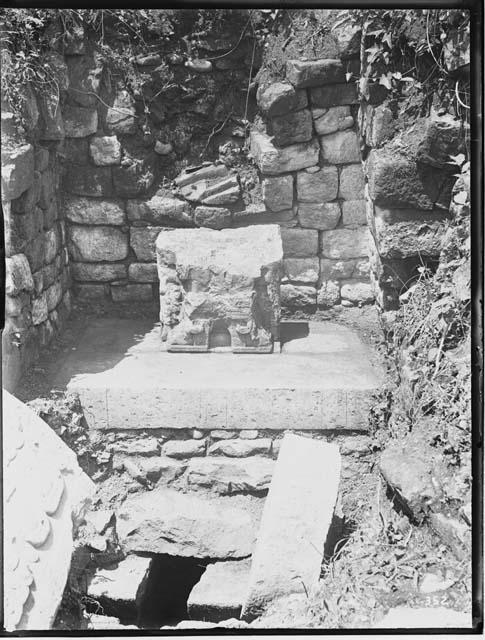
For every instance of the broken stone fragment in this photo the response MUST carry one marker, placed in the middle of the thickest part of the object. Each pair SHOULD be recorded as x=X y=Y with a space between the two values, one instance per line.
x=230 y=196
x=105 y=150
x=313 y=73
x=212 y=217
x=18 y=276
x=237 y=448
x=184 y=448
x=121 y=117
x=356 y=291
x=17 y=171
x=304 y=270
x=205 y=173
x=273 y=161
x=159 y=210
x=331 y=120
x=163 y=149
x=279 y=98
x=293 y=295
x=230 y=476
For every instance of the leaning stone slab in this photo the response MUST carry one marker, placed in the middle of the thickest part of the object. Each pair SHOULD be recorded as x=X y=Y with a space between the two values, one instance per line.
x=295 y=522
x=272 y=160
x=220 y=592
x=314 y=73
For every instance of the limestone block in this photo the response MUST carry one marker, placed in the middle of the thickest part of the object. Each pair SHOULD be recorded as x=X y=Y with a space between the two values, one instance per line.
x=105 y=150
x=183 y=448
x=147 y=446
x=341 y=147
x=220 y=592
x=249 y=434
x=237 y=448
x=79 y=122
x=334 y=95
x=85 y=74
x=332 y=119
x=317 y=186
x=273 y=161
x=258 y=214
x=351 y=185
x=142 y=241
x=39 y=517
x=293 y=295
x=17 y=171
x=278 y=192
x=39 y=309
x=292 y=127
x=97 y=244
x=279 y=98
x=53 y=295
x=336 y=269
x=52 y=121
x=222 y=434
x=86 y=272
x=319 y=216
x=121 y=117
x=299 y=243
x=159 y=210
x=379 y=125
x=356 y=291
x=212 y=217
x=127 y=292
x=186 y=525
x=354 y=213
x=94 y=210
x=18 y=276
x=231 y=476
x=134 y=177
x=89 y=181
x=304 y=270
x=341 y=244
x=329 y=294
x=296 y=518
x=409 y=237
x=314 y=73
x=142 y=272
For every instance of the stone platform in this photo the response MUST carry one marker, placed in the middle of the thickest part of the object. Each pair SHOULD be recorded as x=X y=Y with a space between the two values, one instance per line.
x=125 y=380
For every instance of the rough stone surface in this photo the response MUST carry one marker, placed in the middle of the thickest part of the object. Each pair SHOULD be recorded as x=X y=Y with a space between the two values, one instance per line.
x=334 y=95
x=291 y=128
x=354 y=213
x=212 y=217
x=273 y=161
x=184 y=448
x=351 y=185
x=97 y=244
x=79 y=122
x=210 y=172
x=105 y=150
x=94 y=211
x=329 y=294
x=409 y=237
x=142 y=272
x=39 y=309
x=304 y=270
x=86 y=272
x=293 y=295
x=332 y=119
x=336 y=269
x=319 y=186
x=237 y=448
x=299 y=243
x=341 y=244
x=133 y=178
x=278 y=192
x=126 y=292
x=159 y=210
x=340 y=147
x=319 y=216
x=89 y=181
x=121 y=117
x=17 y=171
x=18 y=276
x=313 y=73
x=142 y=241
x=279 y=98
x=228 y=477
x=167 y=521
x=220 y=592
x=357 y=292
x=296 y=519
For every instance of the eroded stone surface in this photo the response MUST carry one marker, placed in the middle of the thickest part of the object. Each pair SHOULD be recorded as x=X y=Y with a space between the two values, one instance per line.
x=227 y=477
x=318 y=186
x=313 y=73
x=273 y=161
x=94 y=211
x=97 y=244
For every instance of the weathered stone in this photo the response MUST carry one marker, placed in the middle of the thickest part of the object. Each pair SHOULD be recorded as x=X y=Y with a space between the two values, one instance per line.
x=51 y=245
x=379 y=124
x=184 y=448
x=159 y=210
x=406 y=233
x=97 y=244
x=455 y=534
x=293 y=295
x=85 y=73
x=296 y=519
x=442 y=136
x=89 y=181
x=53 y=295
x=317 y=186
x=249 y=434
x=299 y=243
x=229 y=196
x=336 y=269
x=41 y=158
x=220 y=592
x=90 y=291
x=356 y=291
x=340 y=147
x=319 y=216
x=17 y=171
x=328 y=294
x=279 y=98
x=340 y=244
x=18 y=276
x=52 y=121
x=302 y=269
x=354 y=213
x=456 y=50
x=142 y=272
x=212 y=217
x=273 y=161
x=105 y=150
x=237 y=448
x=142 y=241
x=147 y=446
x=313 y=73
x=133 y=178
x=86 y=272
x=361 y=269
x=94 y=211
x=222 y=434
x=278 y=192
x=333 y=119
x=231 y=476
x=126 y=292
x=186 y=525
x=258 y=214
x=351 y=185
x=39 y=309
x=121 y=117
x=348 y=37
x=334 y=95
x=206 y=173
x=290 y=128
x=80 y=122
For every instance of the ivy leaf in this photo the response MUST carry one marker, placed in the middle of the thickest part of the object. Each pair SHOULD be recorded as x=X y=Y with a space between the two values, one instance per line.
x=386 y=81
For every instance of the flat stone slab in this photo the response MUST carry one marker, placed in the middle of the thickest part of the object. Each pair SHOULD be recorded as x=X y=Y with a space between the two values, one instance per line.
x=125 y=380
x=296 y=518
x=220 y=592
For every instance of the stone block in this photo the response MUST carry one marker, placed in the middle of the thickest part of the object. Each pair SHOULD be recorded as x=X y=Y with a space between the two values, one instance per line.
x=293 y=295
x=226 y=187
x=279 y=98
x=53 y=295
x=127 y=292
x=296 y=518
x=258 y=214
x=89 y=181
x=278 y=192
x=317 y=186
x=299 y=243
x=239 y=448
x=210 y=172
x=52 y=121
x=17 y=171
x=332 y=119
x=94 y=211
x=273 y=161
x=319 y=216
x=341 y=147
x=97 y=244
x=85 y=75
x=184 y=448
x=441 y=137
x=336 y=269
x=39 y=311
x=133 y=178
x=90 y=291
x=354 y=213
x=329 y=294
x=146 y=446
x=351 y=185
x=334 y=95
x=41 y=158
x=229 y=196
x=229 y=476
x=341 y=244
x=51 y=245
x=379 y=125
x=406 y=237
x=79 y=122
x=87 y=272
x=47 y=189
x=222 y=434
x=290 y=128
x=105 y=150
x=142 y=241
x=361 y=269
x=314 y=73
x=161 y=210
x=356 y=291
x=212 y=217
x=18 y=276
x=304 y=270
x=143 y=272
x=121 y=116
